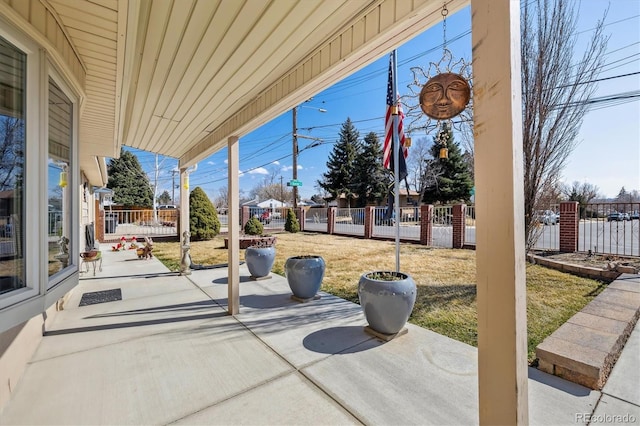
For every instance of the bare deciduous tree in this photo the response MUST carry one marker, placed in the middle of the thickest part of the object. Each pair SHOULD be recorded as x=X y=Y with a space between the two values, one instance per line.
x=556 y=89
x=270 y=188
x=11 y=151
x=417 y=165
x=221 y=201
x=581 y=192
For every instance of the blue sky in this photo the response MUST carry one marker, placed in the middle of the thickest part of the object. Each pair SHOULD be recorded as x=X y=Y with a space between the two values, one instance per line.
x=607 y=155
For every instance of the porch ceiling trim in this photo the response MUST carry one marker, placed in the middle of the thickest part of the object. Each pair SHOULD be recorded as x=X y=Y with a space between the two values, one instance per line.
x=379 y=29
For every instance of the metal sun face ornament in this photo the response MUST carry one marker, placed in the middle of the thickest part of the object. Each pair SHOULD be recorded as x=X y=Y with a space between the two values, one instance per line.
x=445 y=96
x=439 y=93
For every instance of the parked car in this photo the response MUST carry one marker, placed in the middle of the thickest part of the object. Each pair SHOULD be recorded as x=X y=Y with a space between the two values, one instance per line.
x=634 y=215
x=547 y=217
x=263 y=215
x=167 y=207
x=618 y=216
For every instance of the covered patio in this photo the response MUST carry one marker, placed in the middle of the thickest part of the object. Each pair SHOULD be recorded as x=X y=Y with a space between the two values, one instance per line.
x=186 y=79
x=168 y=352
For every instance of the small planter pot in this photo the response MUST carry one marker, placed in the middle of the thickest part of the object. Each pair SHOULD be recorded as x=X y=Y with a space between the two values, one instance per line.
x=387 y=304
x=260 y=260
x=304 y=275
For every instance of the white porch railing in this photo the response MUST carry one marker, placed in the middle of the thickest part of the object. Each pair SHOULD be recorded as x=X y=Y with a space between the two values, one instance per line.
x=118 y=223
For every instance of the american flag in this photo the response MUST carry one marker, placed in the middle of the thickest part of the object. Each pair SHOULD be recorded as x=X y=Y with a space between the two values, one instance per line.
x=387 y=154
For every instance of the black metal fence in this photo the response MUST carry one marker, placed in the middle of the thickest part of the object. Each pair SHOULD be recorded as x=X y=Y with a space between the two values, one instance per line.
x=610 y=228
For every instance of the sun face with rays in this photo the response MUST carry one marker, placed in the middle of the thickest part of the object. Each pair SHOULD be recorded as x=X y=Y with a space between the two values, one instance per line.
x=440 y=92
x=445 y=96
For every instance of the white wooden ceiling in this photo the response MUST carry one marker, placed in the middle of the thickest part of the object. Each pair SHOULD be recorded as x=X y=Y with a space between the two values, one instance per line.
x=178 y=77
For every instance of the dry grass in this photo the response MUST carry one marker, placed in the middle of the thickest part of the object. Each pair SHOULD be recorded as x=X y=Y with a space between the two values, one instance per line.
x=446 y=301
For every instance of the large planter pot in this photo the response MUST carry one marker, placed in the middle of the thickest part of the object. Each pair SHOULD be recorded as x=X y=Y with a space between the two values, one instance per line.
x=387 y=304
x=304 y=275
x=260 y=260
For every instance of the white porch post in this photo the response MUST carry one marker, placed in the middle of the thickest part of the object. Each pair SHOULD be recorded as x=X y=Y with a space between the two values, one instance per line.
x=184 y=203
x=233 y=224
x=500 y=247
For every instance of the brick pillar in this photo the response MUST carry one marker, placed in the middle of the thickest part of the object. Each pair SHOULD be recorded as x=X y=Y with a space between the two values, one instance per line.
x=331 y=220
x=569 y=219
x=98 y=227
x=244 y=216
x=426 y=225
x=368 y=221
x=459 y=221
x=302 y=217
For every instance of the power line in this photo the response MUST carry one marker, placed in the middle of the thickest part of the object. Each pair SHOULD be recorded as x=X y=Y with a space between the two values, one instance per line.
x=596 y=80
x=610 y=100
x=610 y=23
x=602 y=102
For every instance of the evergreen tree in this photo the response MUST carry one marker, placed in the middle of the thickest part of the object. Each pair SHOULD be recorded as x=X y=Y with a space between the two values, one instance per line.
x=623 y=195
x=292 y=224
x=203 y=218
x=340 y=176
x=164 y=198
x=129 y=183
x=253 y=226
x=454 y=182
x=370 y=178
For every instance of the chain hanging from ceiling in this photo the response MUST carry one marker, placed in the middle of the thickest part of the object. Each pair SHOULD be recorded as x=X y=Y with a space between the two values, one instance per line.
x=442 y=91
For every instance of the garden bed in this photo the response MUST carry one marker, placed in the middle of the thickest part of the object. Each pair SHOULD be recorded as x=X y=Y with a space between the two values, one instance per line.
x=596 y=266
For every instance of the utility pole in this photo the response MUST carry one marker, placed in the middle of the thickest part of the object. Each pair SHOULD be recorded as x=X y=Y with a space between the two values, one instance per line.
x=156 y=173
x=294 y=112
x=173 y=185
x=295 y=155
x=281 y=191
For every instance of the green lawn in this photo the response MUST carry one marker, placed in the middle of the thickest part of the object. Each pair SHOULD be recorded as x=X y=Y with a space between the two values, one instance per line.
x=446 y=301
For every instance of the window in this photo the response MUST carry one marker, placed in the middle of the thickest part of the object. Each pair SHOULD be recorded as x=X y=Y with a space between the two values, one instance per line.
x=12 y=167
x=39 y=184
x=59 y=181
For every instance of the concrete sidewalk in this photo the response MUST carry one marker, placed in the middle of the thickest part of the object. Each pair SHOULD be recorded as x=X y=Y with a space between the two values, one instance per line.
x=168 y=353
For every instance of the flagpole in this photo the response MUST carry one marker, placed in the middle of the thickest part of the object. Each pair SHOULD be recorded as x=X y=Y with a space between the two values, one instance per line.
x=396 y=157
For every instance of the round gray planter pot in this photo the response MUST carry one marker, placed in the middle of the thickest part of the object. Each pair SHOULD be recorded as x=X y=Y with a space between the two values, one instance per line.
x=260 y=260
x=387 y=305
x=304 y=275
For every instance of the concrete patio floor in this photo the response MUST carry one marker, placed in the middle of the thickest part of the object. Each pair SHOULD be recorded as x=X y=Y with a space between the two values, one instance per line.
x=169 y=353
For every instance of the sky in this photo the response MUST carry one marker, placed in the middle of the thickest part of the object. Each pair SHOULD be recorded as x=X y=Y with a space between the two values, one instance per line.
x=608 y=147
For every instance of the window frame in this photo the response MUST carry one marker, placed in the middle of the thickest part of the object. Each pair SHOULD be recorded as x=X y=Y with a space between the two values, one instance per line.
x=41 y=292
x=34 y=57
x=73 y=187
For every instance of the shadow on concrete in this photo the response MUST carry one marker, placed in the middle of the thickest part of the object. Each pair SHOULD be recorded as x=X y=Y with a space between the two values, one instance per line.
x=332 y=340
x=133 y=324
x=205 y=304
x=558 y=383
x=225 y=280
x=269 y=301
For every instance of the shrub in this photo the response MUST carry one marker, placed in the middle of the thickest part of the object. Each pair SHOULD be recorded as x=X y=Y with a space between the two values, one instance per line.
x=203 y=218
x=292 y=225
x=253 y=227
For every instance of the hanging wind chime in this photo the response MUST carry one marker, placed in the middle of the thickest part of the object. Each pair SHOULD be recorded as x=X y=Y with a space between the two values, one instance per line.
x=62 y=182
x=447 y=92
